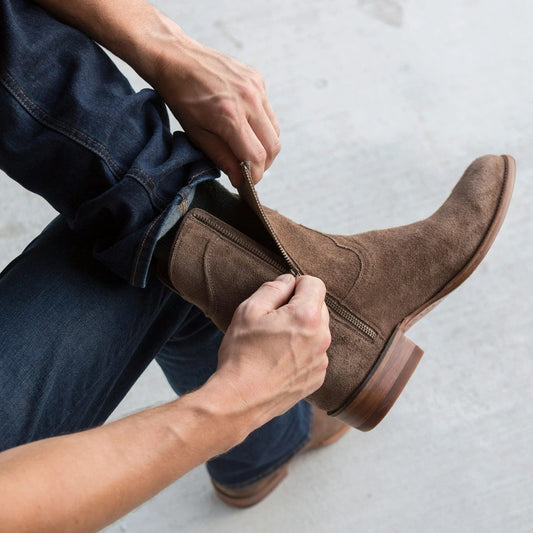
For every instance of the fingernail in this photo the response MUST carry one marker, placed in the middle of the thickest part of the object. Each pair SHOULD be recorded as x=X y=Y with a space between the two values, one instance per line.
x=286 y=278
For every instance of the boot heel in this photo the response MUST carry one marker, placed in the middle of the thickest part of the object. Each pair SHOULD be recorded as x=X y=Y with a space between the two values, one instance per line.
x=384 y=384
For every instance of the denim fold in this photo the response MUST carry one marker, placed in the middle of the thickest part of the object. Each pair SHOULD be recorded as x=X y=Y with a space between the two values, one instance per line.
x=79 y=136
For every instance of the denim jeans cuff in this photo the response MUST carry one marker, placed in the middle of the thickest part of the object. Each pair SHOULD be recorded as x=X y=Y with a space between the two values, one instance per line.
x=162 y=224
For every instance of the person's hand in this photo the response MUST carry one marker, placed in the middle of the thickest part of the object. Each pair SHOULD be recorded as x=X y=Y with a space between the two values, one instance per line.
x=274 y=351
x=221 y=104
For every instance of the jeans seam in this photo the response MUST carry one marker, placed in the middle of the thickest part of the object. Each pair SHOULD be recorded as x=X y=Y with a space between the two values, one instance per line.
x=198 y=174
x=145 y=175
x=155 y=199
x=76 y=135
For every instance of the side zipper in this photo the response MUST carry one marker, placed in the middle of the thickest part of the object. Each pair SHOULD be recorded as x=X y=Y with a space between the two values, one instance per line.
x=340 y=310
x=332 y=304
x=294 y=269
x=233 y=237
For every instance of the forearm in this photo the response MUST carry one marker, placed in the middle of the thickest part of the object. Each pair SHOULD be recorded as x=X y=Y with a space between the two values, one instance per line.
x=133 y=30
x=84 y=481
x=273 y=355
x=220 y=103
x=73 y=131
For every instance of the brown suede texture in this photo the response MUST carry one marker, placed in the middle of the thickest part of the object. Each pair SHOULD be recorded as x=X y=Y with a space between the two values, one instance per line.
x=213 y=272
x=380 y=276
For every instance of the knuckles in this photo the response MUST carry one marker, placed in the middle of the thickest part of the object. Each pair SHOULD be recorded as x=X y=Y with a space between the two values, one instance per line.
x=324 y=363
x=326 y=341
x=258 y=155
x=227 y=109
x=276 y=285
x=321 y=370
x=309 y=318
x=252 y=89
x=256 y=81
x=247 y=312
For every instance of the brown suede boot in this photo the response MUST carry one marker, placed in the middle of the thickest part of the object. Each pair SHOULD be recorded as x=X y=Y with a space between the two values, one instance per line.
x=325 y=431
x=379 y=283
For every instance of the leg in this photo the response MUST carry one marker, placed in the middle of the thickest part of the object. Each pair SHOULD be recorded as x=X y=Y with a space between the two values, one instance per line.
x=106 y=158
x=73 y=337
x=114 y=170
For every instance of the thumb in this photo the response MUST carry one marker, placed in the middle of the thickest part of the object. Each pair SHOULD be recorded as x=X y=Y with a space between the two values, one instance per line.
x=273 y=294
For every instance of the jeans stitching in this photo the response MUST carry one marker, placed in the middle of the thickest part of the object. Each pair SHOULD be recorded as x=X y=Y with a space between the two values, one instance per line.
x=59 y=126
x=198 y=174
x=156 y=200
x=152 y=182
x=145 y=174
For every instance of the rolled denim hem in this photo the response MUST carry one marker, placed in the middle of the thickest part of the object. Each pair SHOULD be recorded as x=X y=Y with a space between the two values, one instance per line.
x=73 y=130
x=162 y=224
x=294 y=444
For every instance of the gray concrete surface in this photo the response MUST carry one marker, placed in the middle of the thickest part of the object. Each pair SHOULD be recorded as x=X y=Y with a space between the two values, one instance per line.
x=382 y=104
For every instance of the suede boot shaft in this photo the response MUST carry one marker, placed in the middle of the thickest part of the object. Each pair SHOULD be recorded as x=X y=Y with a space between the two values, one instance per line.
x=378 y=283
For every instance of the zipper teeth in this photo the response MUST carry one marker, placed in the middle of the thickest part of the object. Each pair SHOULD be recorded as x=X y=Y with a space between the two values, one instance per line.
x=350 y=317
x=337 y=308
x=241 y=242
x=330 y=302
x=292 y=265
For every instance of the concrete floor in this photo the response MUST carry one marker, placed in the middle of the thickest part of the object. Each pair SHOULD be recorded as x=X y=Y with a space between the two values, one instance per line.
x=382 y=104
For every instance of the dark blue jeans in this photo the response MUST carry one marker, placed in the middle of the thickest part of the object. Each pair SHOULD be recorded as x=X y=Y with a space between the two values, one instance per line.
x=81 y=313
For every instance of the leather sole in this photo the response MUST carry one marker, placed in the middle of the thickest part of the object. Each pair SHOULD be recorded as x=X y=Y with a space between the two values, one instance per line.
x=372 y=400
x=243 y=498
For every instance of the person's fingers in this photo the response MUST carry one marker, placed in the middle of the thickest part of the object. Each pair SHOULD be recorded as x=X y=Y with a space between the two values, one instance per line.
x=309 y=291
x=219 y=152
x=261 y=117
x=238 y=133
x=271 y=116
x=269 y=297
x=226 y=150
x=246 y=146
x=267 y=135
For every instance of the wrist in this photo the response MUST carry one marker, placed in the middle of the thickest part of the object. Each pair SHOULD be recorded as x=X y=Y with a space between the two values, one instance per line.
x=169 y=57
x=153 y=42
